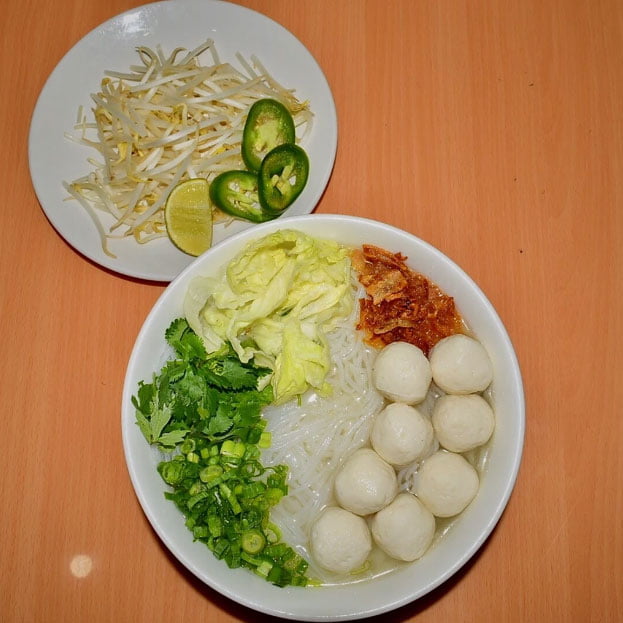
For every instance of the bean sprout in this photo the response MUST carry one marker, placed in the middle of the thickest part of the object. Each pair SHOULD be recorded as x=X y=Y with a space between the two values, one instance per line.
x=165 y=121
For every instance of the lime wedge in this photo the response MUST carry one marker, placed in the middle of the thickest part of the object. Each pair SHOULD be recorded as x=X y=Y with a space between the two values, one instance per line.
x=188 y=216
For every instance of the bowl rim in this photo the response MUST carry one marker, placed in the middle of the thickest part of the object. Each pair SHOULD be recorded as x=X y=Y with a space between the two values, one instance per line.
x=333 y=223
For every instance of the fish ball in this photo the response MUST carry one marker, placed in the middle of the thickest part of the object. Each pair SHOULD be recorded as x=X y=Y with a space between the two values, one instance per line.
x=340 y=541
x=365 y=483
x=462 y=423
x=401 y=372
x=404 y=529
x=446 y=484
x=401 y=434
x=460 y=365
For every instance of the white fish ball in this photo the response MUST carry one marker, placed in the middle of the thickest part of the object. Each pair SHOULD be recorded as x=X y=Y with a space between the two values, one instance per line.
x=402 y=373
x=401 y=434
x=462 y=423
x=339 y=540
x=365 y=483
x=460 y=365
x=446 y=483
x=404 y=529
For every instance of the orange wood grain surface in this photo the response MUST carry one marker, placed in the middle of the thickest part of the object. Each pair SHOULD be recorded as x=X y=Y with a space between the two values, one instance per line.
x=493 y=130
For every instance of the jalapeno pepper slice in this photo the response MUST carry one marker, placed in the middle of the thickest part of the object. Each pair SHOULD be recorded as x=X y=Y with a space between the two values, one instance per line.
x=283 y=175
x=236 y=193
x=268 y=124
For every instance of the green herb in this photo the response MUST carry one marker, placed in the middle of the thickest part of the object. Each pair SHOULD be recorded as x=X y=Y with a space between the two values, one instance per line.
x=205 y=411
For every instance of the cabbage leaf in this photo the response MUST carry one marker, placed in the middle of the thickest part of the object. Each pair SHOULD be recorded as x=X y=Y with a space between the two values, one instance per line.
x=274 y=303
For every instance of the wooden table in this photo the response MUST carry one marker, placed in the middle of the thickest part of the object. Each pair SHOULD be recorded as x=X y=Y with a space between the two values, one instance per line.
x=493 y=130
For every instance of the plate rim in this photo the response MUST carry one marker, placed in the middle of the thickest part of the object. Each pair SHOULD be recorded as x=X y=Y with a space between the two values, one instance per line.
x=51 y=199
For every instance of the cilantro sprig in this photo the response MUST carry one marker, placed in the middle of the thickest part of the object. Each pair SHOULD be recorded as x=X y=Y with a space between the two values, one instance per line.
x=195 y=393
x=206 y=411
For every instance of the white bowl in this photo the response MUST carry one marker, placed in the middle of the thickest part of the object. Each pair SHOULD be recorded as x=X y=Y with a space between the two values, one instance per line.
x=409 y=582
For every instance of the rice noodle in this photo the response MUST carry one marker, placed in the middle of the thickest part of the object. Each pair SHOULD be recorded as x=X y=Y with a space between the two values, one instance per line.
x=165 y=121
x=315 y=437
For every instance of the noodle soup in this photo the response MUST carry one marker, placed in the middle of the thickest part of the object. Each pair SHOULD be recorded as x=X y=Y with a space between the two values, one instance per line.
x=379 y=301
x=385 y=584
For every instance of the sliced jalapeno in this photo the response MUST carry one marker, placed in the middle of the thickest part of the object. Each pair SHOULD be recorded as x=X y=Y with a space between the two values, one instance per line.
x=283 y=175
x=269 y=123
x=236 y=193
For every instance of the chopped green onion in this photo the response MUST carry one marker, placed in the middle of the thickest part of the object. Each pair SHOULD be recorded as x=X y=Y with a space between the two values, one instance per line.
x=273 y=533
x=274 y=575
x=216 y=476
x=233 y=449
x=264 y=568
x=220 y=547
x=195 y=499
x=171 y=472
x=210 y=473
x=274 y=495
x=215 y=525
x=229 y=495
x=265 y=440
x=253 y=542
x=188 y=446
x=200 y=532
x=253 y=490
x=195 y=488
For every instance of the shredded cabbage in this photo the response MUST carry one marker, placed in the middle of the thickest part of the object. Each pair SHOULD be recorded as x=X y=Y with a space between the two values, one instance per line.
x=275 y=302
x=169 y=119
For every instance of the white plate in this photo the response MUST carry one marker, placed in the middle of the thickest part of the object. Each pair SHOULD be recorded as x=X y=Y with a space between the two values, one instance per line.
x=410 y=582
x=172 y=23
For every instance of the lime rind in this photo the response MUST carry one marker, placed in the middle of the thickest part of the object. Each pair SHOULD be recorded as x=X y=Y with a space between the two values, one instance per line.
x=188 y=216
